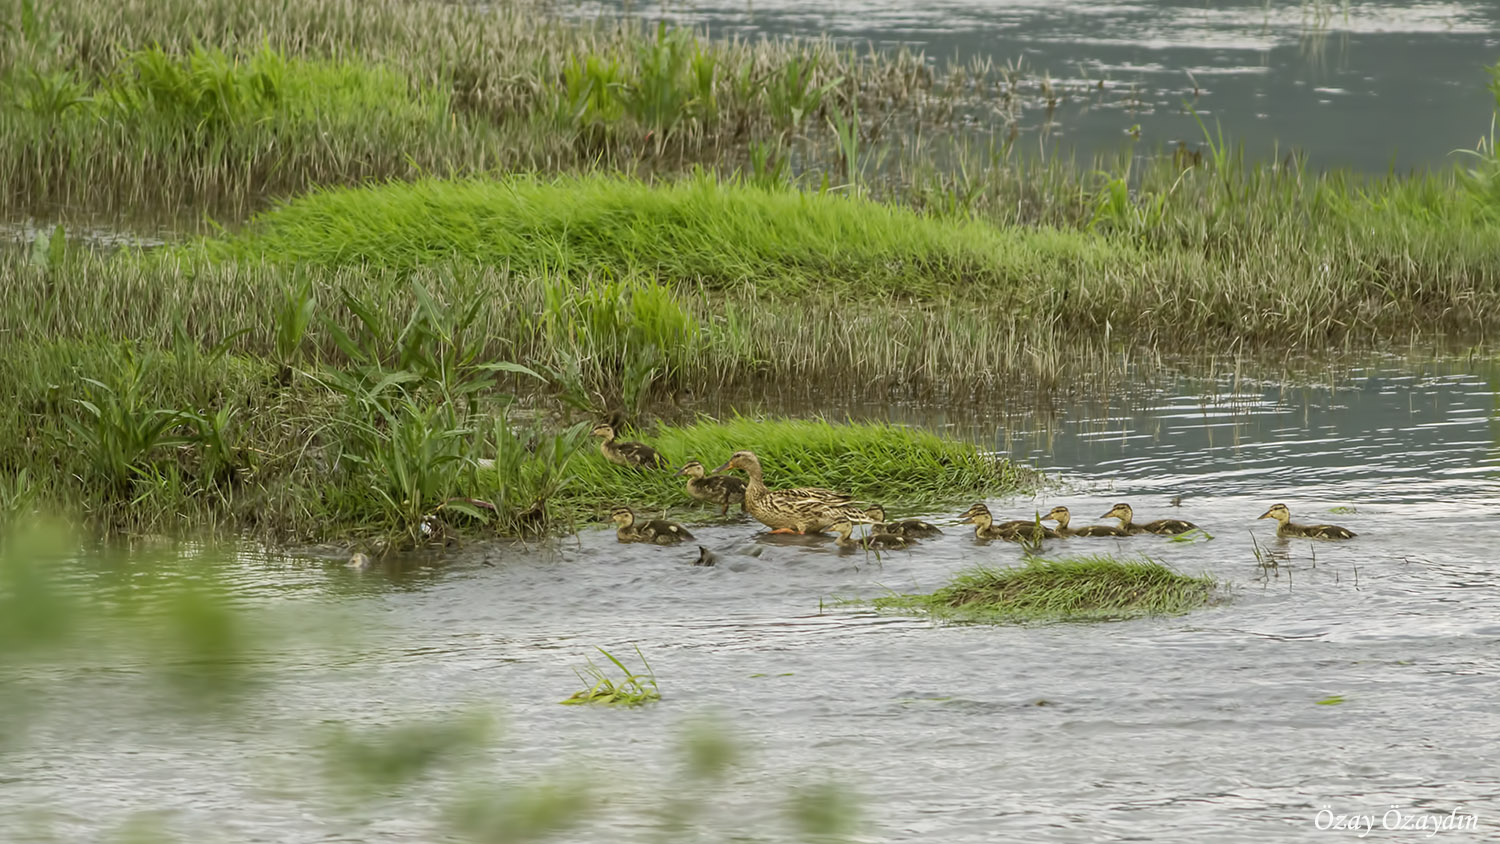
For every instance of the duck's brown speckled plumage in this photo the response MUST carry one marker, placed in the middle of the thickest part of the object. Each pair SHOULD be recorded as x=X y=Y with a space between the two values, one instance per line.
x=909 y=528
x=1062 y=517
x=655 y=531
x=800 y=510
x=985 y=526
x=723 y=490
x=876 y=541
x=1286 y=528
x=629 y=454
x=1166 y=527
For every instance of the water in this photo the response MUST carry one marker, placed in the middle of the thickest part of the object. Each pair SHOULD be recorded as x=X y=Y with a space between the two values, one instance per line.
x=1366 y=85
x=1196 y=728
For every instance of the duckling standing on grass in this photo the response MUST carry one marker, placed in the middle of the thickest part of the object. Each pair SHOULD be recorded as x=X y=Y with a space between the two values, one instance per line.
x=723 y=490
x=800 y=510
x=1167 y=527
x=655 y=531
x=909 y=528
x=1286 y=528
x=631 y=455
x=985 y=526
x=1062 y=516
x=873 y=542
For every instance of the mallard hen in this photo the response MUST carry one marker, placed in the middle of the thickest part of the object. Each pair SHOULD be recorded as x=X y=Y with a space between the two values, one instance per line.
x=1286 y=528
x=1166 y=527
x=655 y=531
x=723 y=490
x=873 y=542
x=631 y=455
x=800 y=510
x=985 y=526
x=909 y=528
x=1062 y=516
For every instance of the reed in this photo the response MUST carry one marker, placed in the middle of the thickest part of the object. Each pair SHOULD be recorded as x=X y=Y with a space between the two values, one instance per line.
x=1090 y=588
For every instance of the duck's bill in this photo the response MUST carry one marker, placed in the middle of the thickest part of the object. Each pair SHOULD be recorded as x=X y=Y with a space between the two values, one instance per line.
x=1265 y=515
x=723 y=468
x=682 y=471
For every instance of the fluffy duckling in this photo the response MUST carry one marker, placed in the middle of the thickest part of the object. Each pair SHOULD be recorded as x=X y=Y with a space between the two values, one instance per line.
x=655 y=531
x=723 y=490
x=799 y=510
x=1167 y=527
x=873 y=542
x=985 y=526
x=1286 y=528
x=1062 y=516
x=631 y=455
x=706 y=557
x=909 y=528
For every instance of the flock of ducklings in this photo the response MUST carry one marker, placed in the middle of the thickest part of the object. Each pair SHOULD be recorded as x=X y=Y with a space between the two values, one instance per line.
x=814 y=510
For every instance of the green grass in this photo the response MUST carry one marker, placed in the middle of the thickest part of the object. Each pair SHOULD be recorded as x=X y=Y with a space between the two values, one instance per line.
x=633 y=689
x=1089 y=588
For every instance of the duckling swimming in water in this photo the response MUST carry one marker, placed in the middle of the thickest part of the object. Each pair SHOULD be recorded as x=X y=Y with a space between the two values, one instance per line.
x=723 y=490
x=873 y=542
x=655 y=531
x=1167 y=527
x=631 y=455
x=1062 y=516
x=985 y=526
x=1286 y=528
x=909 y=528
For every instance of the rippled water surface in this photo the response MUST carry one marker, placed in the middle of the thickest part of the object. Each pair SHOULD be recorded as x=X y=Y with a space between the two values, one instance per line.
x=1205 y=727
x=1362 y=84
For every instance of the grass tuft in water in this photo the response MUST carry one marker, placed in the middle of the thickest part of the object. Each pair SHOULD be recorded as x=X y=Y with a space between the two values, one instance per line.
x=1091 y=588
x=632 y=689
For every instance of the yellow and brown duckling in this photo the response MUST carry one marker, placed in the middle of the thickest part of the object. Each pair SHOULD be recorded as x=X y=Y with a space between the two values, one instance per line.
x=909 y=528
x=655 y=531
x=723 y=490
x=1167 y=527
x=874 y=542
x=1286 y=528
x=1062 y=516
x=799 y=510
x=631 y=455
x=985 y=526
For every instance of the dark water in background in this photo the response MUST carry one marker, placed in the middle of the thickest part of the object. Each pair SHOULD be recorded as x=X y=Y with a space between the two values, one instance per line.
x=1205 y=727
x=1365 y=85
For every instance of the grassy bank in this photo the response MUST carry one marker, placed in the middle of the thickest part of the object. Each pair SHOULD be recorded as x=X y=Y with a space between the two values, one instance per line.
x=1092 y=588
x=412 y=440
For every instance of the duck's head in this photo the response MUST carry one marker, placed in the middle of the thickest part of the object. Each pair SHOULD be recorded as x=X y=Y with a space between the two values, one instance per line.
x=875 y=512
x=978 y=514
x=745 y=460
x=1279 y=512
x=1058 y=514
x=622 y=516
x=692 y=469
x=605 y=430
x=1121 y=512
x=843 y=527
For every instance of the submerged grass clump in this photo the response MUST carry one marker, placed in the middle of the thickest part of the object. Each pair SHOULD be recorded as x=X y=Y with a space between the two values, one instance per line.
x=1090 y=588
x=633 y=689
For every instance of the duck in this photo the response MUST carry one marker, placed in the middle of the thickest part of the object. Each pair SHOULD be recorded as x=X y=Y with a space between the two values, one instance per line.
x=1061 y=516
x=631 y=455
x=706 y=557
x=985 y=526
x=655 y=531
x=723 y=490
x=1286 y=528
x=1166 y=527
x=908 y=528
x=799 y=510
x=873 y=542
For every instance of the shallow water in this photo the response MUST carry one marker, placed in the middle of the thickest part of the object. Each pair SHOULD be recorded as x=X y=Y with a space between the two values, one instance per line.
x=1195 y=728
x=1362 y=84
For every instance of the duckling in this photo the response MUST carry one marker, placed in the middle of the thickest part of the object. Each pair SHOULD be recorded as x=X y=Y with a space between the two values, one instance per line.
x=360 y=560
x=1168 y=527
x=909 y=528
x=706 y=557
x=1287 y=528
x=873 y=542
x=655 y=531
x=631 y=455
x=723 y=490
x=800 y=510
x=985 y=526
x=1061 y=516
